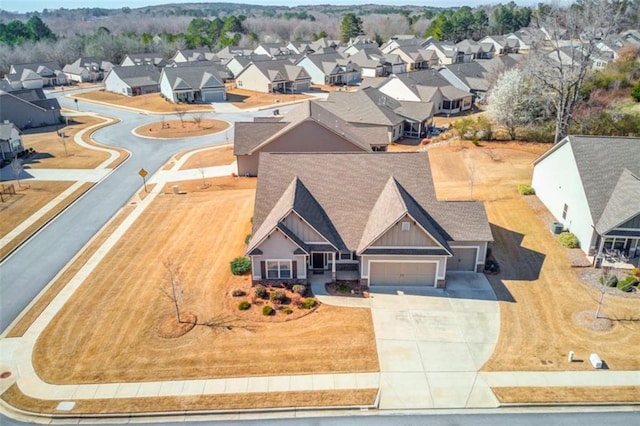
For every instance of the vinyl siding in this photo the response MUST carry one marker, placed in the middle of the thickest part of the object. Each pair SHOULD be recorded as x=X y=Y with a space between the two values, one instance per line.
x=277 y=246
x=302 y=230
x=396 y=237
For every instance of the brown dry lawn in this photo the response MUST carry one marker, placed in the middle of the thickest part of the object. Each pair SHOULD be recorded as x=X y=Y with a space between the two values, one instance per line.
x=182 y=129
x=554 y=395
x=152 y=102
x=51 y=152
x=107 y=331
x=539 y=292
x=27 y=201
x=237 y=401
x=249 y=99
x=216 y=156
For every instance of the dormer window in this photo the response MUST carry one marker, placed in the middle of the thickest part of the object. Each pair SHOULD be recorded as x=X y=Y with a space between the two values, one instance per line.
x=406 y=226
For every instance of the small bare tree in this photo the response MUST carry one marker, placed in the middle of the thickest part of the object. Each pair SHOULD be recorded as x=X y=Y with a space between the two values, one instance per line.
x=16 y=168
x=198 y=120
x=180 y=113
x=63 y=141
x=202 y=169
x=175 y=290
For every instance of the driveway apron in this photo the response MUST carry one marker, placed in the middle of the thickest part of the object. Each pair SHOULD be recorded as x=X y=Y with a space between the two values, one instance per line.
x=432 y=343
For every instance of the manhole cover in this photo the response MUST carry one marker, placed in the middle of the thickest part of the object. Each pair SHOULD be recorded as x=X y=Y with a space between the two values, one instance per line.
x=5 y=374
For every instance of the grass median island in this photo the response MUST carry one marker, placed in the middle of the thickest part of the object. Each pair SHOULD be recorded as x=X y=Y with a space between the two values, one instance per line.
x=245 y=401
x=107 y=332
x=182 y=128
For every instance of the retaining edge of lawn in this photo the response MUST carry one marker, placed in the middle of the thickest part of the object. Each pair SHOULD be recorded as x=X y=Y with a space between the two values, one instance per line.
x=9 y=409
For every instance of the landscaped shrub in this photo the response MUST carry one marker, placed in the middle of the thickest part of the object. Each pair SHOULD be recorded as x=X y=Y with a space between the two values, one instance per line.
x=569 y=240
x=267 y=310
x=244 y=305
x=636 y=272
x=247 y=239
x=610 y=280
x=309 y=303
x=343 y=287
x=299 y=289
x=287 y=311
x=238 y=293
x=627 y=283
x=278 y=296
x=261 y=291
x=526 y=189
x=240 y=265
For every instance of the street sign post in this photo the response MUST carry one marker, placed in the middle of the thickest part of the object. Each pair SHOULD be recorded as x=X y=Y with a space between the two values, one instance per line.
x=143 y=173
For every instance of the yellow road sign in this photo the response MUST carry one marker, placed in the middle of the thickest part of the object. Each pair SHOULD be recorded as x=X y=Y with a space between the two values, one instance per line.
x=143 y=172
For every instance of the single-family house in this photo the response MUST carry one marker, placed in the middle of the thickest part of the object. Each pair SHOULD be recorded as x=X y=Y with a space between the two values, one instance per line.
x=358 y=43
x=193 y=55
x=133 y=80
x=272 y=50
x=310 y=127
x=591 y=185
x=35 y=75
x=237 y=63
x=427 y=86
x=155 y=59
x=470 y=77
x=527 y=38
x=87 y=69
x=28 y=108
x=192 y=84
x=416 y=58
x=10 y=141
x=400 y=40
x=302 y=47
x=502 y=44
x=223 y=72
x=229 y=52
x=373 y=63
x=371 y=107
x=330 y=69
x=365 y=216
x=447 y=53
x=325 y=43
x=473 y=50
x=274 y=76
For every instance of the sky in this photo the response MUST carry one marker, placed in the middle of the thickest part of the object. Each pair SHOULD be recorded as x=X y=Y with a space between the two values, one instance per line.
x=37 y=5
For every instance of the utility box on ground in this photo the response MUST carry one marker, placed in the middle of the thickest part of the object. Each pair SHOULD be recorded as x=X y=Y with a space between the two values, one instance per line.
x=595 y=360
x=557 y=228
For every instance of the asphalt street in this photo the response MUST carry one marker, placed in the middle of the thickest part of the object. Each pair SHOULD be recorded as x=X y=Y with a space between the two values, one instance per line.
x=28 y=270
x=534 y=418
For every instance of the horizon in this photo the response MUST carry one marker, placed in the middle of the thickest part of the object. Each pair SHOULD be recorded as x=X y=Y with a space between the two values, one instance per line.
x=25 y=6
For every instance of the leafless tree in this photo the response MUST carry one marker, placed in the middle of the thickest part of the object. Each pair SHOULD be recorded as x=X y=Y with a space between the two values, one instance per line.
x=202 y=169
x=16 y=168
x=63 y=141
x=198 y=120
x=562 y=58
x=180 y=113
x=175 y=290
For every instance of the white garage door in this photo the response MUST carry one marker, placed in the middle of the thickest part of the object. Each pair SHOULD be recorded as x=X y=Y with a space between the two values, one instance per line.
x=464 y=259
x=391 y=273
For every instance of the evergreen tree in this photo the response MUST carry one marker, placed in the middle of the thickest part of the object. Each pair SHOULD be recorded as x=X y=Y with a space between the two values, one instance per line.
x=351 y=27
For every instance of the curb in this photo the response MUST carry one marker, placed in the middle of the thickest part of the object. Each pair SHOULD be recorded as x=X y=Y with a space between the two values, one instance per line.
x=138 y=110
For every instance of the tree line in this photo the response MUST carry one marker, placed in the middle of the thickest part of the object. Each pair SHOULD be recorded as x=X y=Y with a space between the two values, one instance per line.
x=17 y=32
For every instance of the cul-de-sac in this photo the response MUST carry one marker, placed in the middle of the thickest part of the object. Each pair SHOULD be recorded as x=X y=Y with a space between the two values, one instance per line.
x=313 y=212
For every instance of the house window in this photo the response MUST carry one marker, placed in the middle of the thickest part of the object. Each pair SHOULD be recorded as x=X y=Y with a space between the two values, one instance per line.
x=406 y=226
x=345 y=256
x=239 y=83
x=278 y=269
x=565 y=209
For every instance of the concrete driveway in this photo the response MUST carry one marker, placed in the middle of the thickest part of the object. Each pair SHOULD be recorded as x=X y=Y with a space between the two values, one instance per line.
x=432 y=342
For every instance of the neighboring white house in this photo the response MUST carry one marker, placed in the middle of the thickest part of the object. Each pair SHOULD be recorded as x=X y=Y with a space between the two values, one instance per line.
x=155 y=59
x=330 y=69
x=591 y=184
x=87 y=69
x=192 y=84
x=133 y=80
x=35 y=75
x=10 y=141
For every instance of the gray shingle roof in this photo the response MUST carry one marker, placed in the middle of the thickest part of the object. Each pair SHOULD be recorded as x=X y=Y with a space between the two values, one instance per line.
x=43 y=69
x=141 y=75
x=193 y=77
x=87 y=62
x=251 y=136
x=348 y=185
x=601 y=161
x=623 y=204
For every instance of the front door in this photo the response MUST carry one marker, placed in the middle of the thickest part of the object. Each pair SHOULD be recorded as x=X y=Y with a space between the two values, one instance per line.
x=317 y=261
